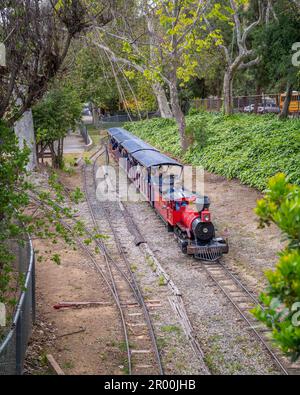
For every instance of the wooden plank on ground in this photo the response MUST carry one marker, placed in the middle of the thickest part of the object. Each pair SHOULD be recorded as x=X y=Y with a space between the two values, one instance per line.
x=54 y=365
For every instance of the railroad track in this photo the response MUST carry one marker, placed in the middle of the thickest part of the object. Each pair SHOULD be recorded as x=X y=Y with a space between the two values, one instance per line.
x=236 y=292
x=143 y=355
x=106 y=273
x=243 y=301
x=118 y=209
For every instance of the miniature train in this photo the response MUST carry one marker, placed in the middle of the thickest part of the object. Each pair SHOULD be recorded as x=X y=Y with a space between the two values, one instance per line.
x=185 y=213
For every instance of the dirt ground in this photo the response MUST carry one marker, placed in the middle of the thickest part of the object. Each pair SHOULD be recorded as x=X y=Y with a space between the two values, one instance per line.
x=97 y=348
x=252 y=250
x=89 y=340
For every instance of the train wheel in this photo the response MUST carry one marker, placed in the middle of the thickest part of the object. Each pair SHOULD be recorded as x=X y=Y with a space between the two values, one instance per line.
x=183 y=248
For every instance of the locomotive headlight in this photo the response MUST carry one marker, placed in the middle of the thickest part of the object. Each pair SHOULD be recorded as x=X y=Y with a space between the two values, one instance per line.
x=205 y=216
x=205 y=230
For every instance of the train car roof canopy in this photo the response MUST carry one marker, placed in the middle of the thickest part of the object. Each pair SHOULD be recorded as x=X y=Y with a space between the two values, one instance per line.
x=113 y=131
x=144 y=153
x=136 y=145
x=154 y=158
x=120 y=134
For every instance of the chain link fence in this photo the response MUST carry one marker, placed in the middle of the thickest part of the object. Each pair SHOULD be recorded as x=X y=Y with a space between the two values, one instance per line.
x=110 y=121
x=259 y=104
x=13 y=343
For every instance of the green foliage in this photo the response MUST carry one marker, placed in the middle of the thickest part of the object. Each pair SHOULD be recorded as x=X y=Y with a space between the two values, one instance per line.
x=55 y=114
x=13 y=196
x=177 y=21
x=248 y=147
x=158 y=131
x=274 y=44
x=144 y=95
x=53 y=117
x=93 y=79
x=281 y=206
x=29 y=208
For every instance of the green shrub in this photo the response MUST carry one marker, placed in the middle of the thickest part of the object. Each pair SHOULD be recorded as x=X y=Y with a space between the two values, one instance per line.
x=59 y=111
x=13 y=197
x=30 y=208
x=251 y=148
x=281 y=313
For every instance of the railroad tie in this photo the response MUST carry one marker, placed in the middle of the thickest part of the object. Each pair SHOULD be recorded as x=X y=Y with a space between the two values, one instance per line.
x=141 y=351
x=143 y=366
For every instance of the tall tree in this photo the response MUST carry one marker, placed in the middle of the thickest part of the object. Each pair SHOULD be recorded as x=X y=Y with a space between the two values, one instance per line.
x=275 y=47
x=237 y=51
x=37 y=35
x=161 y=48
x=130 y=42
x=53 y=116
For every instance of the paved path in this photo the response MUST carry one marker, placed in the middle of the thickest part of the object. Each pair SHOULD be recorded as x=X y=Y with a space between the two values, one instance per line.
x=74 y=144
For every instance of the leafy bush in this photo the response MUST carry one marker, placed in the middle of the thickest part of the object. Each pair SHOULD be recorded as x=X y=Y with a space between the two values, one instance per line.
x=251 y=148
x=281 y=206
x=53 y=116
x=159 y=132
x=31 y=208
x=13 y=197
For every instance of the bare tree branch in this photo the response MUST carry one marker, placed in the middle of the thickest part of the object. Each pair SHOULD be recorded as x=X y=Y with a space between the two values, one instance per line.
x=37 y=37
x=252 y=63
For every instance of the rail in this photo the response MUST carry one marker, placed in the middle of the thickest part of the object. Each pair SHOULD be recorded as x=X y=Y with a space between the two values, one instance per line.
x=84 y=133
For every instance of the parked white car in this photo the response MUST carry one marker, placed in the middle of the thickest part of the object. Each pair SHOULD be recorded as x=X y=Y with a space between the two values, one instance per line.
x=269 y=108
x=249 y=108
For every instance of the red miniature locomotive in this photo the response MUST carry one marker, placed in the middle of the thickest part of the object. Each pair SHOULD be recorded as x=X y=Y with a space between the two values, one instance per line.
x=185 y=213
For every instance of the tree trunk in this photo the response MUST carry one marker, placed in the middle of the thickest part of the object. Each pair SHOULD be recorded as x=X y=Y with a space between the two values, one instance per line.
x=178 y=114
x=285 y=110
x=57 y=153
x=227 y=92
x=162 y=101
x=257 y=98
x=53 y=154
x=95 y=115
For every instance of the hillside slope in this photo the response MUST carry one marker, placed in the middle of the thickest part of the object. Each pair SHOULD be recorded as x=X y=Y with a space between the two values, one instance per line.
x=248 y=147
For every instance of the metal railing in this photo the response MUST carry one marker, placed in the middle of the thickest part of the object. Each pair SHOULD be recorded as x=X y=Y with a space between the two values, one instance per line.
x=84 y=133
x=119 y=118
x=14 y=345
x=259 y=104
